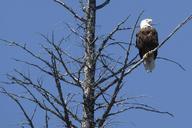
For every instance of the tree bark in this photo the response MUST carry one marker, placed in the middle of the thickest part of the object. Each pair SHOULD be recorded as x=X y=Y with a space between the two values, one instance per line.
x=90 y=64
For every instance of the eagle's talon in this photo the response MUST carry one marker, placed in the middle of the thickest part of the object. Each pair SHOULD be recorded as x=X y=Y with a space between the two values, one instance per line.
x=145 y=56
x=150 y=52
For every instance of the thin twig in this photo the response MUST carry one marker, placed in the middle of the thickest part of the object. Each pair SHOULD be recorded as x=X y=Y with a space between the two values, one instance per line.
x=133 y=32
x=151 y=110
x=109 y=36
x=172 y=61
x=70 y=10
x=106 y=2
x=30 y=122
x=131 y=41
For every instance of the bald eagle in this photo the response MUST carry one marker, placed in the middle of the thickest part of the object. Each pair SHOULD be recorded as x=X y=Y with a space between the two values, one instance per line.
x=147 y=40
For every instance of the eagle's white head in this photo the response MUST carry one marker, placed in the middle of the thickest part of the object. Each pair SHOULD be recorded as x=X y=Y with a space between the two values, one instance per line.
x=146 y=23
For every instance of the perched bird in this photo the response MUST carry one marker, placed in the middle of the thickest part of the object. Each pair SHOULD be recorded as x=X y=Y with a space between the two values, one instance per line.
x=147 y=40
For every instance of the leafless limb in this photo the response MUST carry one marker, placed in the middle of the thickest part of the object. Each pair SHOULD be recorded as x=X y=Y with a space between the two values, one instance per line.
x=60 y=59
x=151 y=110
x=23 y=47
x=25 y=84
x=46 y=94
x=172 y=61
x=174 y=31
x=46 y=119
x=30 y=122
x=58 y=48
x=70 y=10
x=82 y=5
x=109 y=36
x=75 y=32
x=34 y=112
x=106 y=2
x=59 y=89
x=132 y=35
x=125 y=63
x=121 y=44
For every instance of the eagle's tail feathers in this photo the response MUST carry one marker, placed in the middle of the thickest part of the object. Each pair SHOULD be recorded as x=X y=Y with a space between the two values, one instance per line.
x=149 y=64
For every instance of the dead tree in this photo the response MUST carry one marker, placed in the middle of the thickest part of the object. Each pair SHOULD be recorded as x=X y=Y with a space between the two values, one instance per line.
x=96 y=79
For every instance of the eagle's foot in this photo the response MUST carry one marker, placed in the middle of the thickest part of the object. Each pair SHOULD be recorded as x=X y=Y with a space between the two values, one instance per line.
x=150 y=52
x=147 y=54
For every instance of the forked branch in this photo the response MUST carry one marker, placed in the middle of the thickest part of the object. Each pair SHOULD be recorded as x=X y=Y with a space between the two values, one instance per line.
x=29 y=119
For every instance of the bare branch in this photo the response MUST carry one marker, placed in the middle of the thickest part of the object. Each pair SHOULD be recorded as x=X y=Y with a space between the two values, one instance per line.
x=59 y=49
x=113 y=98
x=109 y=36
x=34 y=112
x=30 y=122
x=82 y=5
x=46 y=119
x=151 y=110
x=59 y=89
x=116 y=79
x=110 y=105
x=172 y=61
x=61 y=76
x=132 y=34
x=174 y=31
x=106 y=2
x=24 y=47
x=60 y=52
x=35 y=66
x=75 y=32
x=25 y=84
x=67 y=70
x=121 y=44
x=70 y=10
x=141 y=107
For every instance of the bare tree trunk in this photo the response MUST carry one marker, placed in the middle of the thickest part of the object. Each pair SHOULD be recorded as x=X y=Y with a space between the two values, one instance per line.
x=89 y=70
x=101 y=92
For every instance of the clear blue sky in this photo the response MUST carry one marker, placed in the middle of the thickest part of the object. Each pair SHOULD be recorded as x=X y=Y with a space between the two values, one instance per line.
x=167 y=88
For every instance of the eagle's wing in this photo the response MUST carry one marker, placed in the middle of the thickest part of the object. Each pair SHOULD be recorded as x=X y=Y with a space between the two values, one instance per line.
x=139 y=42
x=154 y=39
